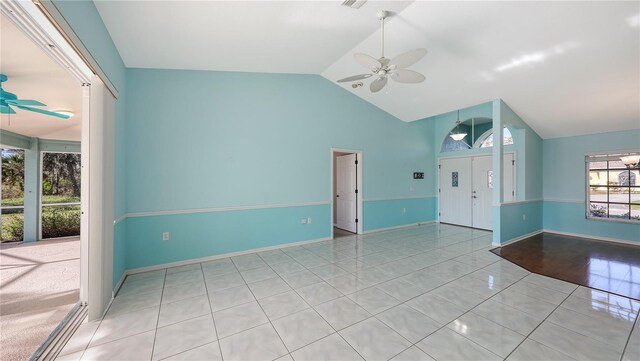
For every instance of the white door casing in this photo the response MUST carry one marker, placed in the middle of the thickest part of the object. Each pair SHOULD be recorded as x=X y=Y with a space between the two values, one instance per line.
x=508 y=172
x=84 y=194
x=346 y=196
x=470 y=202
x=455 y=191
x=482 y=213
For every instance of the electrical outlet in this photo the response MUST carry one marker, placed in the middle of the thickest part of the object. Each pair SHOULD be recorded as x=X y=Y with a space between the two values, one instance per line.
x=303 y=221
x=308 y=220
x=524 y=217
x=404 y=210
x=165 y=236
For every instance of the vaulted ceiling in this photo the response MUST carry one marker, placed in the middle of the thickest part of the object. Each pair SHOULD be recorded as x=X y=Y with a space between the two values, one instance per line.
x=566 y=68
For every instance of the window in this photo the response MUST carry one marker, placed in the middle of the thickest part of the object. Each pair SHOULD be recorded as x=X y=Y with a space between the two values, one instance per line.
x=613 y=189
x=60 y=195
x=473 y=133
x=486 y=139
x=12 y=195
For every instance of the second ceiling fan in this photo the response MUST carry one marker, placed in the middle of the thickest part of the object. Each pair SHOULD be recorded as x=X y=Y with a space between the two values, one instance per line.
x=384 y=68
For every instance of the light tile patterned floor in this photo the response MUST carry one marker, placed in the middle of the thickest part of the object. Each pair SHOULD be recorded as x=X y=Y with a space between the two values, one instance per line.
x=422 y=293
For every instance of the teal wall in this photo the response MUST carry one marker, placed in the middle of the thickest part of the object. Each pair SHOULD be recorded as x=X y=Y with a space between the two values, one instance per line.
x=442 y=125
x=246 y=139
x=394 y=212
x=198 y=235
x=251 y=139
x=524 y=216
x=527 y=148
x=512 y=223
x=86 y=22
x=565 y=184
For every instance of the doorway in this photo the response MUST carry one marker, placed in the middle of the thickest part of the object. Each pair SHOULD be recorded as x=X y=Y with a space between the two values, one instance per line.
x=466 y=190
x=346 y=185
x=43 y=35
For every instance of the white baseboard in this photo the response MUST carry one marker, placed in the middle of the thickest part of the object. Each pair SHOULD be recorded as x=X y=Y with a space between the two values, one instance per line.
x=517 y=239
x=570 y=234
x=219 y=256
x=119 y=284
x=397 y=227
x=598 y=238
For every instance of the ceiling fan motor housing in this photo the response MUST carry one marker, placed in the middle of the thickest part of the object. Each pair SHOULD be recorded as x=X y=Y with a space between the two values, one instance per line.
x=384 y=68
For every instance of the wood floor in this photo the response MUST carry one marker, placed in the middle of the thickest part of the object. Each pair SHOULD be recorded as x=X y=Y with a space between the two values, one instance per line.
x=607 y=266
x=337 y=233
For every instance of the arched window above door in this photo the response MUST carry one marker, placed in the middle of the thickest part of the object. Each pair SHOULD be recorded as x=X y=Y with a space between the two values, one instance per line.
x=473 y=133
x=486 y=139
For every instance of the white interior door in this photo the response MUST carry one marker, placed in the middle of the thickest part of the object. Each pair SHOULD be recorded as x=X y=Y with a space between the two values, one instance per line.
x=455 y=191
x=482 y=192
x=346 y=199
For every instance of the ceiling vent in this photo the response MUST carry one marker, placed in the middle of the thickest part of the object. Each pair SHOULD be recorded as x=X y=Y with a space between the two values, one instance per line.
x=354 y=4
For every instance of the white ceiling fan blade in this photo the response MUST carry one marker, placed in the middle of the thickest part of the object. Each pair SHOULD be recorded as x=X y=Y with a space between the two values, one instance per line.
x=367 y=61
x=407 y=59
x=407 y=76
x=354 y=78
x=378 y=84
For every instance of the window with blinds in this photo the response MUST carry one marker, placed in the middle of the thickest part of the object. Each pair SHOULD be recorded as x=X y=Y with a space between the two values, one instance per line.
x=613 y=188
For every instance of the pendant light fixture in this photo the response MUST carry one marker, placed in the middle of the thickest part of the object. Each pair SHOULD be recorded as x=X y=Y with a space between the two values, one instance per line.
x=456 y=134
x=631 y=161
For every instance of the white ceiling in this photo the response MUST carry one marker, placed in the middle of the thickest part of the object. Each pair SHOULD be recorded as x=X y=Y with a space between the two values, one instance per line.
x=34 y=75
x=253 y=36
x=566 y=68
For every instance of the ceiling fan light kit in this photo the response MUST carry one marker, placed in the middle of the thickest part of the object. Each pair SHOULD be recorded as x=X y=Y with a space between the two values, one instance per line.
x=383 y=68
x=9 y=100
x=631 y=161
x=68 y=113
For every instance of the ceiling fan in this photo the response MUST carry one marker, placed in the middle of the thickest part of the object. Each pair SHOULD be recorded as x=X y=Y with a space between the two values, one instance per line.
x=384 y=68
x=9 y=100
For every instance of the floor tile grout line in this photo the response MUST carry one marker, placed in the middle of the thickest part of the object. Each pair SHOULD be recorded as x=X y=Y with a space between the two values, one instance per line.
x=155 y=334
x=583 y=333
x=560 y=306
x=374 y=315
x=165 y=273
x=262 y=308
x=215 y=328
x=421 y=252
x=90 y=339
x=333 y=261
x=636 y=324
x=118 y=339
x=470 y=310
x=527 y=337
x=316 y=311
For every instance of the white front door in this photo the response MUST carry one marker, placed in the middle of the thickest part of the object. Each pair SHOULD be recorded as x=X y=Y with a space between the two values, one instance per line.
x=466 y=190
x=482 y=192
x=346 y=196
x=455 y=191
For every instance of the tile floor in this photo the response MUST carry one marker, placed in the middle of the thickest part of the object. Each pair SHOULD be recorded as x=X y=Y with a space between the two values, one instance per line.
x=423 y=293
